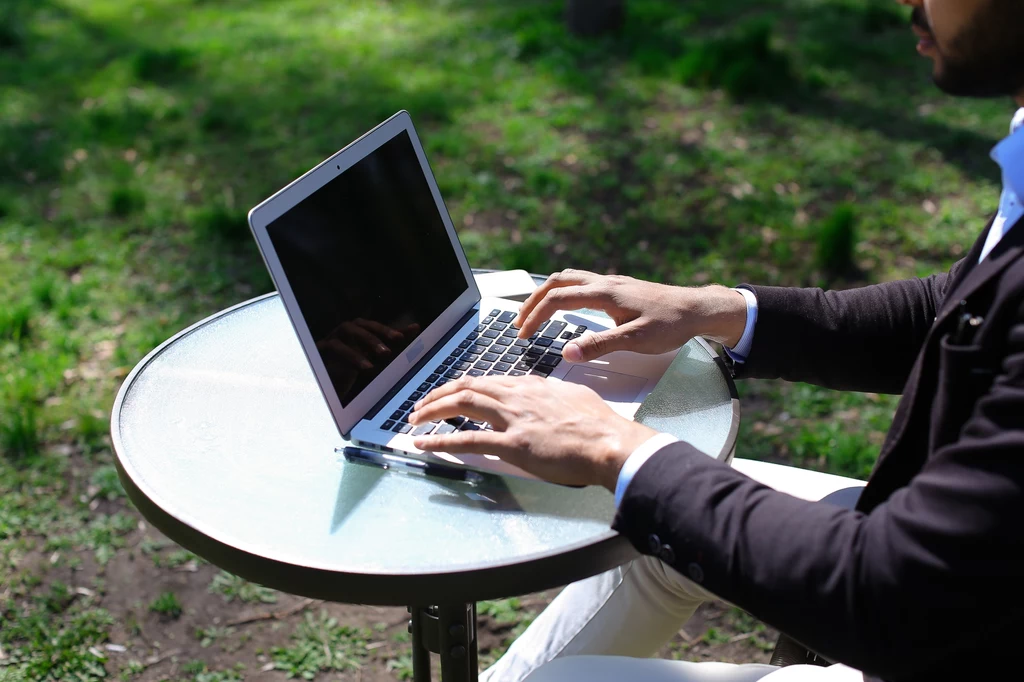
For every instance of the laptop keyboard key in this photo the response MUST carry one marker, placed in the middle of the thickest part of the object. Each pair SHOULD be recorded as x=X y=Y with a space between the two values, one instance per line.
x=461 y=366
x=521 y=343
x=441 y=382
x=510 y=333
x=491 y=334
x=503 y=341
x=402 y=428
x=566 y=335
x=415 y=395
x=499 y=326
x=580 y=329
x=482 y=365
x=554 y=329
x=488 y=319
x=550 y=360
x=407 y=405
x=440 y=369
x=472 y=336
x=452 y=374
x=490 y=357
x=492 y=373
x=494 y=313
x=475 y=372
x=514 y=350
x=423 y=429
x=524 y=367
x=508 y=357
x=503 y=366
x=388 y=425
x=542 y=370
x=576 y=336
x=436 y=375
x=556 y=345
x=469 y=426
x=445 y=428
x=397 y=414
x=516 y=373
x=543 y=341
x=506 y=317
x=465 y=344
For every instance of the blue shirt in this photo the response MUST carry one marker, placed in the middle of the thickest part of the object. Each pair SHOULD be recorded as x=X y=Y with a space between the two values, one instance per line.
x=1009 y=154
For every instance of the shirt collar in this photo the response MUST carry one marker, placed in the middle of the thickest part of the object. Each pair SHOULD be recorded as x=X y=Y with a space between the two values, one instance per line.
x=1009 y=154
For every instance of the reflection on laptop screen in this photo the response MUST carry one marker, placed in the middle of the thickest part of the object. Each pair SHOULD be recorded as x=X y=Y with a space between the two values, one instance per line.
x=370 y=263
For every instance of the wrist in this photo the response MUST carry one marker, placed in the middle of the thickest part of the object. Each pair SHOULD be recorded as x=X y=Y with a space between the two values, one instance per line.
x=622 y=441
x=725 y=314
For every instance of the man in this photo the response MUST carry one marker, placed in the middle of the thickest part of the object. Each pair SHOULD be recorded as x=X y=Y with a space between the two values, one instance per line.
x=924 y=580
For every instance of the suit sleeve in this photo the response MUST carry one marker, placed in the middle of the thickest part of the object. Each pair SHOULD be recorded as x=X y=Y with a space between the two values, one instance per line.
x=881 y=591
x=863 y=339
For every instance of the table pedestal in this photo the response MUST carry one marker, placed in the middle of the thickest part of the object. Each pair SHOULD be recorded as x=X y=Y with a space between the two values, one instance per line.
x=448 y=630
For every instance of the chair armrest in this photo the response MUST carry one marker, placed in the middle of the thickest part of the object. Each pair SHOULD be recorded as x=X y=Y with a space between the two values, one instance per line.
x=802 y=483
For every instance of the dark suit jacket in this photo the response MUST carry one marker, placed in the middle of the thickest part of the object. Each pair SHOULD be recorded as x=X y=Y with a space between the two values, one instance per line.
x=924 y=580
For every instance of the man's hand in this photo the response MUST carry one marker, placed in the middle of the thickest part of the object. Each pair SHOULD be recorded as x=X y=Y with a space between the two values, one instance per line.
x=651 y=318
x=561 y=432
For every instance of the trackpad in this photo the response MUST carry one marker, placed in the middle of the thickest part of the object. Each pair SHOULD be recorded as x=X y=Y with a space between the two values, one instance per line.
x=612 y=386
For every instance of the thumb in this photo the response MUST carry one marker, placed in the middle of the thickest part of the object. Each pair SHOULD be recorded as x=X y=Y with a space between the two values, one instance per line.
x=597 y=344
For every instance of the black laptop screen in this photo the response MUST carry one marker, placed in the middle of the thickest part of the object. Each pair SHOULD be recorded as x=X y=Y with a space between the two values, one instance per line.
x=370 y=263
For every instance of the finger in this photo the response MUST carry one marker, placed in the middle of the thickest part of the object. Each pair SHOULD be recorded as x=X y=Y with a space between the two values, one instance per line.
x=567 y=298
x=471 y=404
x=492 y=386
x=379 y=329
x=365 y=337
x=339 y=349
x=564 y=278
x=596 y=344
x=466 y=442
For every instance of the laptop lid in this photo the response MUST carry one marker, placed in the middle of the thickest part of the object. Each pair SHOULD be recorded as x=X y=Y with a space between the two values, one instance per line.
x=368 y=265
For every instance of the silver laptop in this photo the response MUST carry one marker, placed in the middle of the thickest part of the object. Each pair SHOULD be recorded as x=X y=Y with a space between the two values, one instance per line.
x=377 y=286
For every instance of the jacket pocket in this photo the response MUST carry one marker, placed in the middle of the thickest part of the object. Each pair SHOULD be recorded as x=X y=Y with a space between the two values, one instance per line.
x=965 y=374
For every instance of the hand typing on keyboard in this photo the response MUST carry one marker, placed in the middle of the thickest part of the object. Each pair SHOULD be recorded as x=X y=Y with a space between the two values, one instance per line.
x=651 y=318
x=559 y=431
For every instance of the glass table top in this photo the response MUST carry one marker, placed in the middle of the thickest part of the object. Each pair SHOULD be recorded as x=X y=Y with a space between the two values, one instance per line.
x=224 y=429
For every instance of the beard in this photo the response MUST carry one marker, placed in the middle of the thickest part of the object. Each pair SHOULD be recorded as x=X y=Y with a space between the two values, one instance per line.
x=986 y=59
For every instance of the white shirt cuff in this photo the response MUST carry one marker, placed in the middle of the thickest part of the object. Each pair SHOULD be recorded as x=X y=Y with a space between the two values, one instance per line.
x=741 y=350
x=637 y=459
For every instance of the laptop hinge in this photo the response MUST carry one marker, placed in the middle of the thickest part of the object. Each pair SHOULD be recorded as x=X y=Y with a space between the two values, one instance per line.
x=419 y=365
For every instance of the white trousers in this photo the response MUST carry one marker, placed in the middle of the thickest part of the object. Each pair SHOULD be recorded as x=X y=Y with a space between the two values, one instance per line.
x=603 y=629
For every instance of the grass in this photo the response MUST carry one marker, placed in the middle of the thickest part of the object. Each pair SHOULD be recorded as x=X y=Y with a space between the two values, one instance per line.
x=167 y=605
x=321 y=644
x=232 y=587
x=788 y=142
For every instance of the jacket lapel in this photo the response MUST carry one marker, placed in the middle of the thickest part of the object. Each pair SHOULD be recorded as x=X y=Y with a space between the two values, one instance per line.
x=967 y=280
x=972 y=277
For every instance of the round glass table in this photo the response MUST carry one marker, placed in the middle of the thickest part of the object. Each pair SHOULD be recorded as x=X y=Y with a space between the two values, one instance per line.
x=225 y=444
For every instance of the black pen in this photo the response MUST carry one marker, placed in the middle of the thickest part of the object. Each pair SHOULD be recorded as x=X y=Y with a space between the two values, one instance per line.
x=407 y=465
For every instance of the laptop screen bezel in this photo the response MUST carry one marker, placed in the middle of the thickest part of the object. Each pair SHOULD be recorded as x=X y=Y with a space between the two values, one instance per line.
x=295 y=193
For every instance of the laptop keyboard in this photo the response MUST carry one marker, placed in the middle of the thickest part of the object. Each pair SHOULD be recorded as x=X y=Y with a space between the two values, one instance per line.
x=490 y=349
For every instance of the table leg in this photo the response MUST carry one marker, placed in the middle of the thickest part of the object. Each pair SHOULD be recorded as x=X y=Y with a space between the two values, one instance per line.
x=423 y=630
x=448 y=630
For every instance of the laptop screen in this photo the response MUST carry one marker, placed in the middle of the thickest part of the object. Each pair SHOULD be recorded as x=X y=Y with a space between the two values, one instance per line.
x=370 y=263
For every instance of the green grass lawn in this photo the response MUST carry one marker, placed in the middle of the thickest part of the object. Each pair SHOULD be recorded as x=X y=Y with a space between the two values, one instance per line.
x=795 y=142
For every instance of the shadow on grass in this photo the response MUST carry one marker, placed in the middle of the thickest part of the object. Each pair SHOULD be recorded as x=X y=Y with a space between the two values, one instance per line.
x=734 y=46
x=254 y=131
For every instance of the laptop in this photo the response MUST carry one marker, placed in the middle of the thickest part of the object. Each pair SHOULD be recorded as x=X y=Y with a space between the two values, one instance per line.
x=377 y=286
